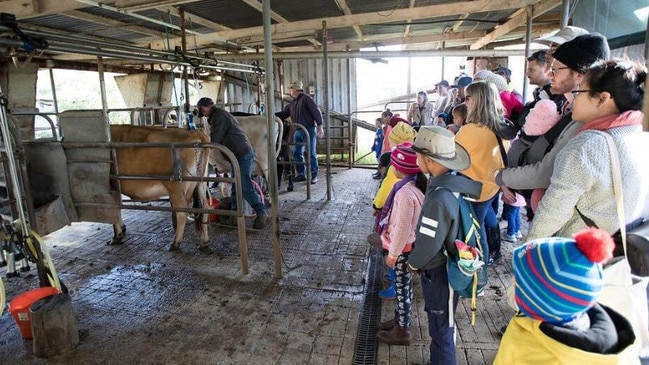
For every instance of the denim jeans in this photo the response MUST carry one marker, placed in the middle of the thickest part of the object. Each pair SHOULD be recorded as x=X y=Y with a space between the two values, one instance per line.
x=434 y=285
x=481 y=209
x=513 y=216
x=298 y=151
x=249 y=192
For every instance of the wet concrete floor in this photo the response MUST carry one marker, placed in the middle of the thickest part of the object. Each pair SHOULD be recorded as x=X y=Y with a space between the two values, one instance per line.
x=140 y=304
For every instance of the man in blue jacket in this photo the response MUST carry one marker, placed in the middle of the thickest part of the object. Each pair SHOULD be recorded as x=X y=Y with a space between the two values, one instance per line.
x=303 y=110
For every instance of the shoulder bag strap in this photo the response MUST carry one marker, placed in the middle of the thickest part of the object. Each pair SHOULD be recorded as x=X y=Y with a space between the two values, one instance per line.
x=617 y=186
x=503 y=153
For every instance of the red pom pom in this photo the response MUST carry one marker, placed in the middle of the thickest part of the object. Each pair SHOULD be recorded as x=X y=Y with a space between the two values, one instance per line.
x=596 y=244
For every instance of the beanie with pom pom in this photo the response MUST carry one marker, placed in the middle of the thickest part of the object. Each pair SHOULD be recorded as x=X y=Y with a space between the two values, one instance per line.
x=541 y=118
x=557 y=279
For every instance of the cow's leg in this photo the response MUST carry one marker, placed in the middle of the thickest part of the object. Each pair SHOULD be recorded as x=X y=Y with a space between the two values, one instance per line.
x=119 y=231
x=177 y=199
x=200 y=201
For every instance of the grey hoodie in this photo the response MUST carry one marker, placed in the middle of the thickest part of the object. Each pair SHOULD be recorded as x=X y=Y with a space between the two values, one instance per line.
x=439 y=220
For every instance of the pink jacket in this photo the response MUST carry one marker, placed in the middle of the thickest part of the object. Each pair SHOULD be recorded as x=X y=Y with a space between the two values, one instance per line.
x=400 y=232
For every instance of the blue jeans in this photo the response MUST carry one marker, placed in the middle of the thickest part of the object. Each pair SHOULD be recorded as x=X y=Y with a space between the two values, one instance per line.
x=481 y=209
x=513 y=216
x=249 y=192
x=298 y=151
x=434 y=285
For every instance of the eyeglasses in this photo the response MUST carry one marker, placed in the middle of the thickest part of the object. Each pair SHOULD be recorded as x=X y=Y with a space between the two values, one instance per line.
x=577 y=92
x=554 y=70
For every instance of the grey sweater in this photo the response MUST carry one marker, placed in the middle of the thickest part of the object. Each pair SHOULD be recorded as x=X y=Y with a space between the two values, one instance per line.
x=582 y=179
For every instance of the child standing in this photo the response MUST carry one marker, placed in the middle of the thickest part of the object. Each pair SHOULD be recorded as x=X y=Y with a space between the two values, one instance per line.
x=378 y=146
x=397 y=236
x=512 y=213
x=439 y=156
x=557 y=282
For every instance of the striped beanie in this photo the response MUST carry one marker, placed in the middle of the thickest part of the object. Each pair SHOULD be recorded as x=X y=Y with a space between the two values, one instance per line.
x=404 y=159
x=557 y=279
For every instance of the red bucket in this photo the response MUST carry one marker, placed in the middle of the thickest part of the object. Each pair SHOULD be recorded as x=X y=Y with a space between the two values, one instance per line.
x=19 y=308
x=214 y=204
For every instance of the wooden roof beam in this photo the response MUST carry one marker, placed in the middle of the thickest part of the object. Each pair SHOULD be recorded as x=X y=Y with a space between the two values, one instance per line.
x=278 y=18
x=406 y=32
x=517 y=19
x=421 y=12
x=24 y=9
x=342 y=5
x=138 y=5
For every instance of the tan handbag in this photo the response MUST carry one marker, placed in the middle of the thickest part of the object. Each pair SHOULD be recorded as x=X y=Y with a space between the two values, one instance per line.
x=624 y=292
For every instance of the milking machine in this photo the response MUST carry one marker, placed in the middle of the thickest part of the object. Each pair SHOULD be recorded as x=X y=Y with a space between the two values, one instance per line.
x=18 y=242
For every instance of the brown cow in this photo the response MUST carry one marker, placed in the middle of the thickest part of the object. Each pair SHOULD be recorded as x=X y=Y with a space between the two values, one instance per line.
x=158 y=161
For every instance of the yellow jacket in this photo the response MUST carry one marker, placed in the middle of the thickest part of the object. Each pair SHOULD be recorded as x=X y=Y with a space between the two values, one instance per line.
x=386 y=187
x=525 y=344
x=486 y=159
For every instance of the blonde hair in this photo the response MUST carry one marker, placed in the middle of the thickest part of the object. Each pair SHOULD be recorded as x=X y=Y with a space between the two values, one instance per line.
x=487 y=109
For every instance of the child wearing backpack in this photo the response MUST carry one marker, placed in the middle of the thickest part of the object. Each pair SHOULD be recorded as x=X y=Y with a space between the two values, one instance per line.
x=397 y=235
x=440 y=156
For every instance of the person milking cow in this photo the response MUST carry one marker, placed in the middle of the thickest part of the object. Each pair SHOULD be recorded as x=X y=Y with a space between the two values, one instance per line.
x=225 y=130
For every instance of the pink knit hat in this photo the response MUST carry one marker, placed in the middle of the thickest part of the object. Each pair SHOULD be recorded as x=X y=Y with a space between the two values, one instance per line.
x=404 y=159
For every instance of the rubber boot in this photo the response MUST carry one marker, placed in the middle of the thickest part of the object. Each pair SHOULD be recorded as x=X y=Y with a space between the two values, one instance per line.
x=493 y=239
x=397 y=335
x=388 y=293
x=389 y=324
x=389 y=276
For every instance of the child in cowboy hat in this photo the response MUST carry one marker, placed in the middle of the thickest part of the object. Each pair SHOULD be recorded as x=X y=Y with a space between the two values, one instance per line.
x=441 y=157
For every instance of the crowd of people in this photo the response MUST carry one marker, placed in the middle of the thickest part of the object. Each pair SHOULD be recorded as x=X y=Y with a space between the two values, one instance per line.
x=549 y=155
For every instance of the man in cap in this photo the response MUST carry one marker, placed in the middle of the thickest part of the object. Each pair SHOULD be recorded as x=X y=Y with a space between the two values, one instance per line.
x=571 y=61
x=225 y=130
x=459 y=85
x=303 y=110
x=564 y=35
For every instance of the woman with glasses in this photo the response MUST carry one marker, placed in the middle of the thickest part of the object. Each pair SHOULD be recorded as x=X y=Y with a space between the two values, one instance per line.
x=580 y=194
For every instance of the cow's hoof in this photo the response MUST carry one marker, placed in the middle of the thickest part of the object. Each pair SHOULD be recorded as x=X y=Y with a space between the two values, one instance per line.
x=123 y=228
x=205 y=249
x=116 y=241
x=289 y=188
x=173 y=248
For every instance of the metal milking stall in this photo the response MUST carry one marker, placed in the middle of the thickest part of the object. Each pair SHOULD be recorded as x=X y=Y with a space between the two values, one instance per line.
x=55 y=43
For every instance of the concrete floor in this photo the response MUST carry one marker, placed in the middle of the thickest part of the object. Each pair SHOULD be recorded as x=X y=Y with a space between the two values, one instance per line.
x=140 y=304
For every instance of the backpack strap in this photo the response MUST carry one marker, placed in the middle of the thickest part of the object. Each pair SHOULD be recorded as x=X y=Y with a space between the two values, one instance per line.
x=503 y=153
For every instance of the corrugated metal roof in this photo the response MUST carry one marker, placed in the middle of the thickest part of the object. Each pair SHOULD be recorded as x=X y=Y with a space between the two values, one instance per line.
x=232 y=14
x=306 y=9
x=82 y=27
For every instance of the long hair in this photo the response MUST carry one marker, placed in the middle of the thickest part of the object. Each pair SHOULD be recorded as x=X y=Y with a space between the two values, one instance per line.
x=624 y=80
x=487 y=109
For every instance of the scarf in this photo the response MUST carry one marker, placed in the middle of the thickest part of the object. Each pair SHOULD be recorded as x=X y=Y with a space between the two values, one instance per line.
x=383 y=217
x=629 y=117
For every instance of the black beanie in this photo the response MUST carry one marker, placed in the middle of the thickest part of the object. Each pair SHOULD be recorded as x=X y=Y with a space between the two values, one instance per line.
x=580 y=53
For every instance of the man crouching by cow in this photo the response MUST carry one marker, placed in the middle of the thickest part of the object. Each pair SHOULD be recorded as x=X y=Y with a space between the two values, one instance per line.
x=226 y=131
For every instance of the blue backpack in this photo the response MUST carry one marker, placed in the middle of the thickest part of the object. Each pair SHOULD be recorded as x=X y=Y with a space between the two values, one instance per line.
x=467 y=272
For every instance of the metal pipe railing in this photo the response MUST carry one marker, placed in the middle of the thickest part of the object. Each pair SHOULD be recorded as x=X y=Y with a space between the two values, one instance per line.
x=243 y=250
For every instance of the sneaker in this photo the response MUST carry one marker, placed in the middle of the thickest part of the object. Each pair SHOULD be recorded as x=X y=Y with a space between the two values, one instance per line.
x=299 y=178
x=510 y=237
x=388 y=293
x=519 y=235
x=261 y=221
x=314 y=180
